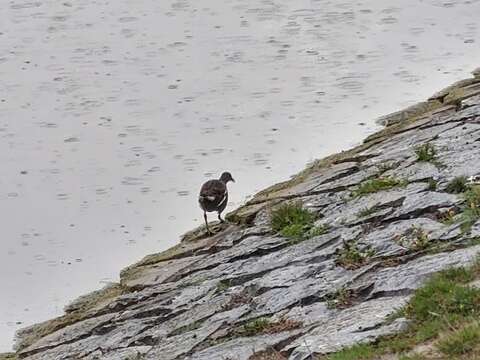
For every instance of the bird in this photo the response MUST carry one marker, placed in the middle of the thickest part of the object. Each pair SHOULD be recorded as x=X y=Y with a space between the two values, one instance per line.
x=214 y=196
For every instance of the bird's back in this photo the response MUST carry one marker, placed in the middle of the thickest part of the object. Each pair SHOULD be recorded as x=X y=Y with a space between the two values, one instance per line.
x=213 y=195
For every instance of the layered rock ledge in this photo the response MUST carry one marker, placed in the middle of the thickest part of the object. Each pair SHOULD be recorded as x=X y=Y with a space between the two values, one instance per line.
x=248 y=289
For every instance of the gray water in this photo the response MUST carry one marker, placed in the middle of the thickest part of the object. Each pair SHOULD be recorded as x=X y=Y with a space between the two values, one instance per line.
x=112 y=114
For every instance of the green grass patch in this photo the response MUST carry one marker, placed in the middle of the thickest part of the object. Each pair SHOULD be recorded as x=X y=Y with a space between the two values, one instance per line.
x=356 y=352
x=378 y=184
x=296 y=223
x=446 y=298
x=255 y=327
x=461 y=342
x=425 y=153
x=351 y=256
x=340 y=299
x=294 y=231
x=471 y=211
x=457 y=186
x=223 y=285
x=289 y=214
x=432 y=185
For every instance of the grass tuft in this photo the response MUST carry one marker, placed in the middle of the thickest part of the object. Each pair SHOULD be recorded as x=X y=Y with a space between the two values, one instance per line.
x=457 y=186
x=352 y=257
x=461 y=342
x=444 y=298
x=376 y=185
x=223 y=285
x=296 y=223
x=289 y=214
x=425 y=153
x=356 y=352
x=255 y=327
x=471 y=211
x=341 y=299
x=432 y=185
x=294 y=231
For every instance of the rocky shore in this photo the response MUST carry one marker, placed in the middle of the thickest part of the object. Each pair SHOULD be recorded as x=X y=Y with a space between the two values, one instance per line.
x=384 y=217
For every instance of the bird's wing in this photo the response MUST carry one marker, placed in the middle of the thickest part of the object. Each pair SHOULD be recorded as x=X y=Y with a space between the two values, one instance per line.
x=214 y=191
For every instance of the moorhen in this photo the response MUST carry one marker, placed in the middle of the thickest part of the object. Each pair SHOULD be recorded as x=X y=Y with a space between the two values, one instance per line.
x=214 y=196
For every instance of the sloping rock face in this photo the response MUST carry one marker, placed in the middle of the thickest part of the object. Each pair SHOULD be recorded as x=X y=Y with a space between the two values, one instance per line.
x=202 y=299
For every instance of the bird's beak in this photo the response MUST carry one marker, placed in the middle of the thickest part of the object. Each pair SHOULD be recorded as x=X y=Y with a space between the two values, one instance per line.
x=233 y=179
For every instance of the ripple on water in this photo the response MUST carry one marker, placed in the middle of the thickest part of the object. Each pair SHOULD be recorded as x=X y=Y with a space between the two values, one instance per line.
x=129 y=180
x=39 y=257
x=154 y=169
x=26 y=5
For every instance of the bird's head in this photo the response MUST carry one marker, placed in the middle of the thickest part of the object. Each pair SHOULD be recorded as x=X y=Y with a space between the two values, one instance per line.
x=226 y=177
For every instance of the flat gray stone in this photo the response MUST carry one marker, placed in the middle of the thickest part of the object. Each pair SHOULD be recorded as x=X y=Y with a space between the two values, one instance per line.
x=243 y=348
x=360 y=323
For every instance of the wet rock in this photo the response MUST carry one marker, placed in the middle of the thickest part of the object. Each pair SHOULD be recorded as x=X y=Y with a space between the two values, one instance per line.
x=189 y=302
x=410 y=112
x=358 y=324
x=158 y=273
x=407 y=277
x=243 y=348
x=131 y=353
x=393 y=239
x=424 y=202
x=69 y=334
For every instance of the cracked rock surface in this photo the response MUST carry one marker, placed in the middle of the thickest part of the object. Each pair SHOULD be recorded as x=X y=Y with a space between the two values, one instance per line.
x=196 y=300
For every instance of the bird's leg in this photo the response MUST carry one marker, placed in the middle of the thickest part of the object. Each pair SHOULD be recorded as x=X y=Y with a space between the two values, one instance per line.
x=206 y=223
x=220 y=217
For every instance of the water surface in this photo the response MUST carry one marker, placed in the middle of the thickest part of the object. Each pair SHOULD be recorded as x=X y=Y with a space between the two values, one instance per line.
x=112 y=114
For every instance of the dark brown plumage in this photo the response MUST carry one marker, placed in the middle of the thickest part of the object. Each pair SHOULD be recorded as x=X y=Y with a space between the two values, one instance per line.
x=214 y=196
